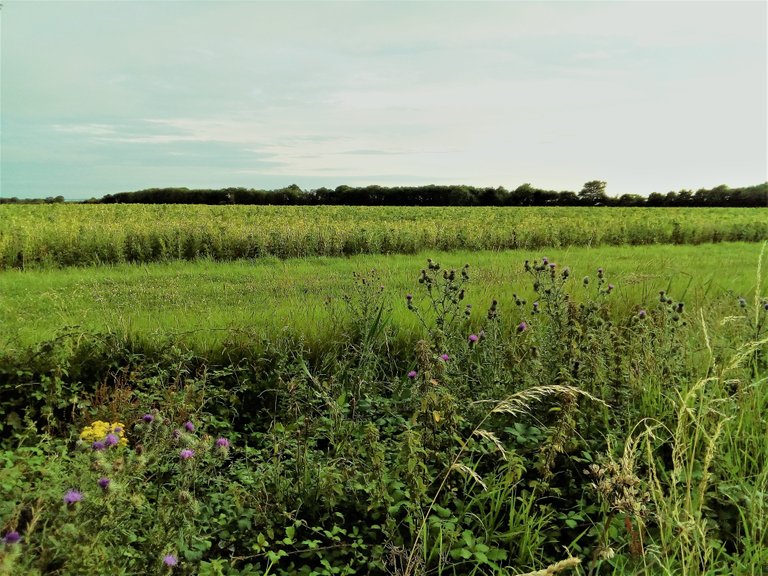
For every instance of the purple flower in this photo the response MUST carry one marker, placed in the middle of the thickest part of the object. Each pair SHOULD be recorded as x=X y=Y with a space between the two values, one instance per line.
x=412 y=374
x=111 y=440
x=11 y=537
x=445 y=357
x=170 y=560
x=544 y=261
x=118 y=430
x=148 y=418
x=522 y=327
x=409 y=297
x=222 y=443
x=473 y=338
x=188 y=426
x=98 y=445
x=103 y=483
x=72 y=496
x=186 y=454
x=641 y=314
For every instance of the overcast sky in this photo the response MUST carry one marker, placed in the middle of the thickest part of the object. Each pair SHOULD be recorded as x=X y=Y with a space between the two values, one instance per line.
x=106 y=96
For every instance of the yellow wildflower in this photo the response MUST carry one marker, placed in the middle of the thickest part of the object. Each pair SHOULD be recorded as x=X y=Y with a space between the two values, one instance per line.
x=99 y=430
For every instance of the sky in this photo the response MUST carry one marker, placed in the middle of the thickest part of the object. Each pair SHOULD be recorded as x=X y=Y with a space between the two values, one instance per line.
x=105 y=96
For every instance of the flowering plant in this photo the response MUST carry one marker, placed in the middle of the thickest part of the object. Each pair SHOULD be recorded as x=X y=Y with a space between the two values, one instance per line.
x=100 y=431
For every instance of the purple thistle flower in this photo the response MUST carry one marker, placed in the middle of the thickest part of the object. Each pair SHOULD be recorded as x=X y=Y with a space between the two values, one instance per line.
x=473 y=338
x=412 y=374
x=170 y=560
x=186 y=454
x=188 y=426
x=445 y=357
x=148 y=418
x=111 y=440
x=409 y=297
x=544 y=261
x=522 y=327
x=72 y=496
x=641 y=314
x=98 y=445
x=222 y=443
x=103 y=483
x=11 y=537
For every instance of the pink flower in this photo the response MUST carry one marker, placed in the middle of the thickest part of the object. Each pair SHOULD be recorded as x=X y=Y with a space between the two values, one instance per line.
x=222 y=443
x=72 y=496
x=186 y=454
x=170 y=560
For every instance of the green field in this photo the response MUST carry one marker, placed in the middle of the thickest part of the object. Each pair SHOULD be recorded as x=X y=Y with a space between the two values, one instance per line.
x=206 y=301
x=279 y=406
x=66 y=235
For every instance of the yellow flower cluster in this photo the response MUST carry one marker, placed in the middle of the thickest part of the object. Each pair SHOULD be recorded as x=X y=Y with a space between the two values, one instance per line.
x=99 y=430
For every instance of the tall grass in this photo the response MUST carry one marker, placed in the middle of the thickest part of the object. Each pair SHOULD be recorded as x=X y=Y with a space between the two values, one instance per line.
x=85 y=235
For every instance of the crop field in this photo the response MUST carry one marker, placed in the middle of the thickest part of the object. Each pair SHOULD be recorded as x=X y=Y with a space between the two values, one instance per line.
x=239 y=390
x=67 y=235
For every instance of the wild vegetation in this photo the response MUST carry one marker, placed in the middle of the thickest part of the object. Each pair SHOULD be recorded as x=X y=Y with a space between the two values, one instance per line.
x=594 y=410
x=76 y=235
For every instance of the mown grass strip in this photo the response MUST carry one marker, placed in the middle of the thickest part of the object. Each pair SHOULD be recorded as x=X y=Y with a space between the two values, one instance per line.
x=205 y=301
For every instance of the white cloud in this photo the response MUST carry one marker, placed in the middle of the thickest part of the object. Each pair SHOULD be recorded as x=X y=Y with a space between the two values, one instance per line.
x=491 y=92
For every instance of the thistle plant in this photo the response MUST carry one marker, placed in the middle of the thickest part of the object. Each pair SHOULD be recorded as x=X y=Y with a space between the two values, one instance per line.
x=132 y=491
x=442 y=310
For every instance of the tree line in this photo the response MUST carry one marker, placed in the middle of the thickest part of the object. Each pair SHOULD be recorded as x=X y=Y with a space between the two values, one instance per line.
x=593 y=193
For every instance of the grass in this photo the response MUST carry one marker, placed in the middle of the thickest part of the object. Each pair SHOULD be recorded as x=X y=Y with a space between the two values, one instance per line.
x=201 y=302
x=45 y=236
x=363 y=438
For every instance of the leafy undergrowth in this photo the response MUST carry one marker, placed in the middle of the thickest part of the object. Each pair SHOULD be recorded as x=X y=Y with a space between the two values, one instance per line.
x=530 y=436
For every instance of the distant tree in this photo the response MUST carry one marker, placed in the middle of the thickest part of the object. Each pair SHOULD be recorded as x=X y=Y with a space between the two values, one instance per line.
x=567 y=198
x=593 y=193
x=521 y=196
x=655 y=199
x=492 y=196
x=630 y=200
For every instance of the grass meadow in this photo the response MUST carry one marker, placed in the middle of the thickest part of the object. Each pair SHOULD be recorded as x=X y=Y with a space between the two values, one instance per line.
x=421 y=393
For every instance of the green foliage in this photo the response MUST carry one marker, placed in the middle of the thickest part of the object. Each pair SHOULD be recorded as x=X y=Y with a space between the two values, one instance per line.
x=62 y=235
x=630 y=437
